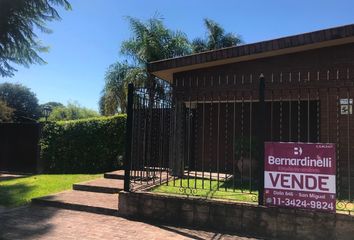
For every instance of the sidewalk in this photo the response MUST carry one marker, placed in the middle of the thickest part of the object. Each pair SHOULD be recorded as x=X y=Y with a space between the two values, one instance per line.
x=36 y=222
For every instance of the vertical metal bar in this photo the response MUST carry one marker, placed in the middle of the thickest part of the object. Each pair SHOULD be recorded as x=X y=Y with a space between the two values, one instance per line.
x=250 y=143
x=128 y=138
x=261 y=136
x=242 y=142
x=189 y=120
x=338 y=145
x=149 y=138
x=290 y=100
x=348 y=145
x=145 y=115
x=233 y=145
x=184 y=124
x=133 y=154
x=271 y=115
x=327 y=108
x=210 y=139
x=318 y=115
x=175 y=142
x=218 y=144
x=153 y=157
x=138 y=130
x=281 y=116
x=161 y=109
x=298 y=116
x=195 y=127
x=203 y=141
x=308 y=115
x=226 y=141
x=168 y=158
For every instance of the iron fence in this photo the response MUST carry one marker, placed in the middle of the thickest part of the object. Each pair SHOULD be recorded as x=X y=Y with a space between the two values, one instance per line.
x=205 y=138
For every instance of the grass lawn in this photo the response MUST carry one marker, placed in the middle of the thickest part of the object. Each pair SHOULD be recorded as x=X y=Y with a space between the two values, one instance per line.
x=210 y=190
x=16 y=192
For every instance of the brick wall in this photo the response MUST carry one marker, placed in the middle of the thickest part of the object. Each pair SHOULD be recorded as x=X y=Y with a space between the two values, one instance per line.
x=258 y=221
x=322 y=75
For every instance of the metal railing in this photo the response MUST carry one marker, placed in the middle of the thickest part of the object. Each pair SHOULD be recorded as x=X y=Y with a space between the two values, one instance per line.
x=206 y=138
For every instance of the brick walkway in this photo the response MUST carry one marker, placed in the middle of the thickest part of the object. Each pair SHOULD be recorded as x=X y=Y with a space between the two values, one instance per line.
x=35 y=222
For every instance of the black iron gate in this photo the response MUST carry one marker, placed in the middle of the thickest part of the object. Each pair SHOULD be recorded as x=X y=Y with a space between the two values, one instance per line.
x=207 y=140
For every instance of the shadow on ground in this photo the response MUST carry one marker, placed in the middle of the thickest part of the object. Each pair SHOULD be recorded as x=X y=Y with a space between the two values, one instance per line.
x=198 y=233
x=9 y=194
x=26 y=222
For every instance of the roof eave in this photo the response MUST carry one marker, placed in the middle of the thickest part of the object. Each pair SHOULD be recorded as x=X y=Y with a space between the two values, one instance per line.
x=167 y=74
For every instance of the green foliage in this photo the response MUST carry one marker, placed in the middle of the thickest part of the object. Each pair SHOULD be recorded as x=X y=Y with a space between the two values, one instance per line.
x=114 y=95
x=18 y=42
x=150 y=41
x=72 y=111
x=5 y=112
x=22 y=100
x=51 y=104
x=216 y=38
x=92 y=145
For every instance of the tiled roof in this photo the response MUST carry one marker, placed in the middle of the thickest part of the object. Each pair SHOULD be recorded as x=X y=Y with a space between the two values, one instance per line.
x=300 y=40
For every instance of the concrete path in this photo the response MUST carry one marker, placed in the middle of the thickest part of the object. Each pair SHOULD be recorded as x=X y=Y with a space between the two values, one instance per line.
x=7 y=176
x=36 y=222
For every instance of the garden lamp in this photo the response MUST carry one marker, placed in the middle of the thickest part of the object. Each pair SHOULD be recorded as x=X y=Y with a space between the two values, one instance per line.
x=46 y=111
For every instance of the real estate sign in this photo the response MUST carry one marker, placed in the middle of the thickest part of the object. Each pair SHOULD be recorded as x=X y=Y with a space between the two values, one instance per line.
x=300 y=175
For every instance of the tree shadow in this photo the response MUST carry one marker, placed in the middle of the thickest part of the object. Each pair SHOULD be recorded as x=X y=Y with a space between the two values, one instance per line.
x=9 y=194
x=26 y=222
x=193 y=232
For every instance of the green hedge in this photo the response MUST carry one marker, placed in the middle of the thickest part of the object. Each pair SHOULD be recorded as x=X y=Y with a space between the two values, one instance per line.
x=91 y=145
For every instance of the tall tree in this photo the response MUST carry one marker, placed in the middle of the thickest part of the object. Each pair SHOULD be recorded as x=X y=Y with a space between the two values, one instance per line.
x=18 y=42
x=114 y=95
x=152 y=41
x=22 y=100
x=216 y=38
x=5 y=112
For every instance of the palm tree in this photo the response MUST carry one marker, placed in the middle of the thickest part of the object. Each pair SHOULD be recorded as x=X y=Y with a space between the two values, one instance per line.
x=152 y=41
x=216 y=38
x=114 y=95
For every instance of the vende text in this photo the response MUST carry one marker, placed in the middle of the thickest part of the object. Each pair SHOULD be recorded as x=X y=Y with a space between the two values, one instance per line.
x=300 y=182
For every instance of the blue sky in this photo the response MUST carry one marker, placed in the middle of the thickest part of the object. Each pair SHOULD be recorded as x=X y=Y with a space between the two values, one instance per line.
x=88 y=38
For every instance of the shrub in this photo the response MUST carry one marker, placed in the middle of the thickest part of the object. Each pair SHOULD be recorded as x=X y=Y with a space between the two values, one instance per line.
x=91 y=145
x=72 y=111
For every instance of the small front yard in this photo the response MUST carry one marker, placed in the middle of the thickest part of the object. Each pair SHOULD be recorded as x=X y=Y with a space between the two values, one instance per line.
x=20 y=191
x=208 y=189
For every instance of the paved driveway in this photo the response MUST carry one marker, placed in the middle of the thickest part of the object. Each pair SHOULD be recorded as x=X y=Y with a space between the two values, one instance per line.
x=35 y=222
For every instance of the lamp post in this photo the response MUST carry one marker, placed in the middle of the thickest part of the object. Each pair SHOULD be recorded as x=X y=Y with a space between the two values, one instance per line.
x=46 y=112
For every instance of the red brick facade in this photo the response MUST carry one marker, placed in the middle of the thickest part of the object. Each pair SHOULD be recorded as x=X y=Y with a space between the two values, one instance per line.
x=318 y=79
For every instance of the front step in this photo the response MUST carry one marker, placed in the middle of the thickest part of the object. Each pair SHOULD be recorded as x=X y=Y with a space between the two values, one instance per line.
x=101 y=185
x=100 y=203
x=119 y=174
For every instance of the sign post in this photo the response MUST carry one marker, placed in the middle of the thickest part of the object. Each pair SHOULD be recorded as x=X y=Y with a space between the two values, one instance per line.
x=300 y=175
